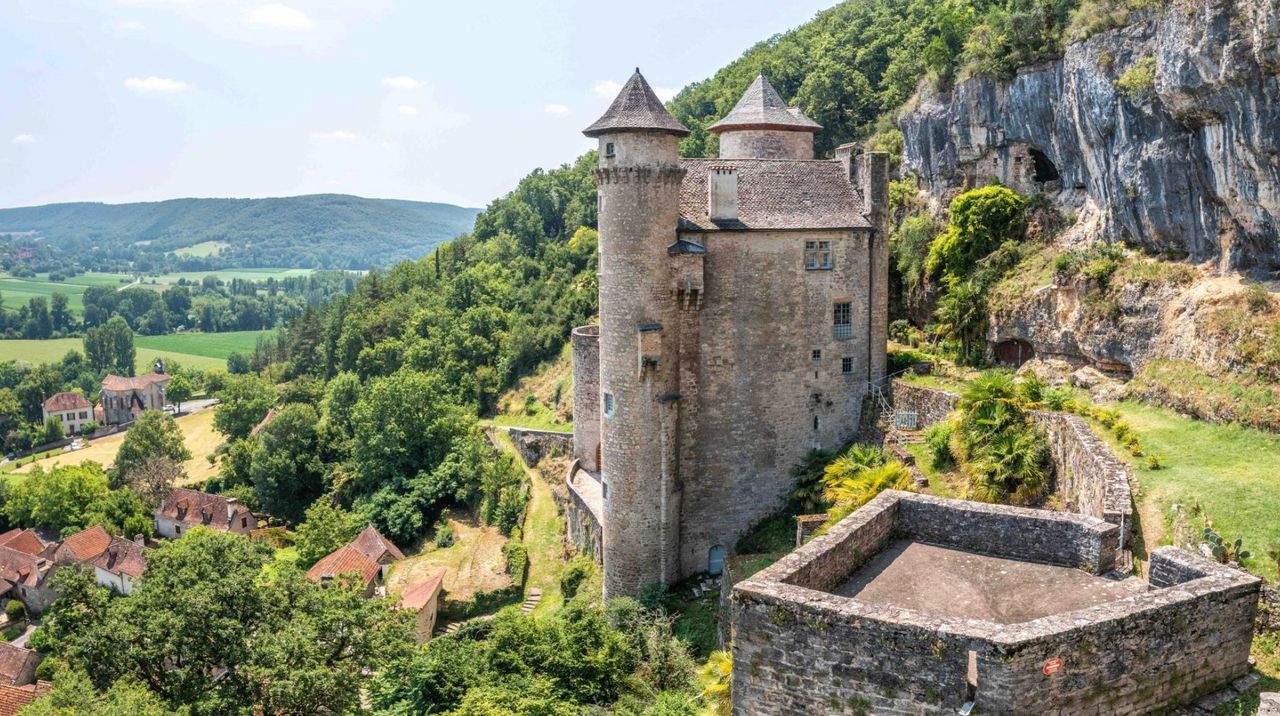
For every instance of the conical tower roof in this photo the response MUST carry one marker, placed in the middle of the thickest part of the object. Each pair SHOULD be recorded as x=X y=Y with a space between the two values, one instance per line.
x=636 y=108
x=761 y=107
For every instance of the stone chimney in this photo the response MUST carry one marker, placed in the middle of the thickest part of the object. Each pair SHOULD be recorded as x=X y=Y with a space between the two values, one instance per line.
x=845 y=153
x=722 y=193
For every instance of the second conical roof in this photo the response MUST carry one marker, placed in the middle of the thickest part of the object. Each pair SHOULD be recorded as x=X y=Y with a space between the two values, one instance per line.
x=761 y=107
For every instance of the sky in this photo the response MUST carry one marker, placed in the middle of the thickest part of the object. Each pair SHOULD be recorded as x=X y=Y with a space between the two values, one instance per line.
x=144 y=100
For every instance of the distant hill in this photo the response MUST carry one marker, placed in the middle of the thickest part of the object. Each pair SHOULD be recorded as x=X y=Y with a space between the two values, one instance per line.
x=314 y=231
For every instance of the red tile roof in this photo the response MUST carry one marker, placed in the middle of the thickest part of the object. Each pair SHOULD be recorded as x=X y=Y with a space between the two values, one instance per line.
x=118 y=383
x=122 y=556
x=14 y=662
x=373 y=545
x=82 y=546
x=192 y=507
x=419 y=596
x=23 y=541
x=14 y=698
x=345 y=560
x=59 y=402
x=22 y=568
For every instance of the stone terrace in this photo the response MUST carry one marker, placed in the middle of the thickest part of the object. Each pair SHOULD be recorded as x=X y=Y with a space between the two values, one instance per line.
x=802 y=647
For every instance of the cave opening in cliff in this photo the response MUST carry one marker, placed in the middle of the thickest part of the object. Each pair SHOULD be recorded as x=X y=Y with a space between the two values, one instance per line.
x=1045 y=169
x=1014 y=352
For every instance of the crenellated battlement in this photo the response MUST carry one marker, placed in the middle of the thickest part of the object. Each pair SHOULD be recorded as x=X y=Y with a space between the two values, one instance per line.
x=659 y=176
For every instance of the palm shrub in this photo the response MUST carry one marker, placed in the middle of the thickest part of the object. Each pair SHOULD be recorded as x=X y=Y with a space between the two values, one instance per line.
x=849 y=490
x=937 y=438
x=1002 y=452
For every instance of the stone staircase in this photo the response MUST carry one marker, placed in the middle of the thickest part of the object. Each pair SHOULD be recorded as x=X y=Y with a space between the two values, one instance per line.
x=531 y=600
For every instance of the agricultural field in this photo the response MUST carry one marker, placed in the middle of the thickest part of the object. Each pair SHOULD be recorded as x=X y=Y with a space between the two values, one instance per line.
x=203 y=249
x=16 y=292
x=196 y=350
x=197 y=432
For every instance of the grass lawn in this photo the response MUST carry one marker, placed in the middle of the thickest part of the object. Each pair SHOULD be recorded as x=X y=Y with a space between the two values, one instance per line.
x=947 y=483
x=198 y=433
x=543 y=535
x=473 y=563
x=203 y=249
x=18 y=291
x=196 y=350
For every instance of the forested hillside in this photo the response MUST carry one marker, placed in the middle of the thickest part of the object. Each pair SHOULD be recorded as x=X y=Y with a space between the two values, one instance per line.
x=315 y=231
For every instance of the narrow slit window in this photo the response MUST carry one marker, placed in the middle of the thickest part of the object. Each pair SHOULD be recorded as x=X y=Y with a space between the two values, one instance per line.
x=842 y=320
x=815 y=422
x=608 y=405
x=817 y=255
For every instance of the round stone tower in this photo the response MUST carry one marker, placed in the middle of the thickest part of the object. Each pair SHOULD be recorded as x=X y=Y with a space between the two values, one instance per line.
x=639 y=188
x=762 y=126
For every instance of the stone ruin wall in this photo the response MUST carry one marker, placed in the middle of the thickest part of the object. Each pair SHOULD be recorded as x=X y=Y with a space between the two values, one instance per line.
x=801 y=650
x=1089 y=476
x=584 y=531
x=534 y=445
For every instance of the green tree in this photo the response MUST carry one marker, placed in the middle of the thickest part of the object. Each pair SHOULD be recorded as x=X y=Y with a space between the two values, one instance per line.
x=59 y=499
x=73 y=695
x=52 y=432
x=325 y=528
x=178 y=390
x=109 y=347
x=59 y=314
x=237 y=364
x=153 y=435
x=243 y=402
x=286 y=468
x=980 y=221
x=962 y=318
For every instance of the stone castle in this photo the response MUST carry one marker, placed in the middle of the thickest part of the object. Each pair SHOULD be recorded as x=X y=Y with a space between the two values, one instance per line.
x=743 y=322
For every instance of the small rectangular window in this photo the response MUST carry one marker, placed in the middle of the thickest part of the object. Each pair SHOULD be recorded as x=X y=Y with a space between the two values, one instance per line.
x=609 y=149
x=817 y=255
x=815 y=422
x=817 y=354
x=842 y=320
x=846 y=365
x=604 y=490
x=608 y=405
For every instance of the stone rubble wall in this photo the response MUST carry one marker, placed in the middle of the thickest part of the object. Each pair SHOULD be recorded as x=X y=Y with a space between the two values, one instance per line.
x=1091 y=479
x=582 y=512
x=801 y=650
x=534 y=445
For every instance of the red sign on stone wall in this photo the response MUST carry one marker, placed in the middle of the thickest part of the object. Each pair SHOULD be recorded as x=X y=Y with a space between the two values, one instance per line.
x=1052 y=666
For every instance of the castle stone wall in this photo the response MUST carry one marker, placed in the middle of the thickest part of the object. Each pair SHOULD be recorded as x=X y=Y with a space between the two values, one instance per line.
x=586 y=395
x=748 y=411
x=765 y=144
x=533 y=445
x=584 y=512
x=801 y=650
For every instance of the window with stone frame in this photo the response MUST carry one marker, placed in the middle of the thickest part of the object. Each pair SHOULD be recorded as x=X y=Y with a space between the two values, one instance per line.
x=846 y=365
x=842 y=320
x=608 y=405
x=609 y=149
x=817 y=255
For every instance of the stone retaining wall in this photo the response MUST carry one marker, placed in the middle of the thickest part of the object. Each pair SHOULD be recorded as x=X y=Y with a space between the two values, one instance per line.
x=584 y=512
x=799 y=649
x=1090 y=478
x=533 y=445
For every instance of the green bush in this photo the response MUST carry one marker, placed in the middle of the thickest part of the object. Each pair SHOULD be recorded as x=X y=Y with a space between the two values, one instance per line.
x=15 y=610
x=900 y=330
x=517 y=557
x=444 y=534
x=1257 y=297
x=937 y=438
x=1138 y=81
x=980 y=221
x=574 y=574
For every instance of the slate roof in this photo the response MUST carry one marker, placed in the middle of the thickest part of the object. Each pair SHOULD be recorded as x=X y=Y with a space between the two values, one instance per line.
x=14 y=698
x=636 y=107
x=420 y=595
x=83 y=545
x=345 y=560
x=192 y=507
x=23 y=541
x=119 y=383
x=122 y=556
x=783 y=194
x=14 y=661
x=373 y=545
x=761 y=107
x=70 y=400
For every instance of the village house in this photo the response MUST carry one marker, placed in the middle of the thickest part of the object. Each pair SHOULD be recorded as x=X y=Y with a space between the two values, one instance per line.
x=71 y=409
x=120 y=565
x=123 y=399
x=367 y=556
x=25 y=577
x=15 y=698
x=424 y=599
x=17 y=665
x=184 y=509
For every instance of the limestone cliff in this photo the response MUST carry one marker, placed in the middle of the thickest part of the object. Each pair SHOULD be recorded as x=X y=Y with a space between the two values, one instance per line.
x=1188 y=163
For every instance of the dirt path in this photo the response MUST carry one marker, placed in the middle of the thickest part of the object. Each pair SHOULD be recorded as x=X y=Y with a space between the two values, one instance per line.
x=473 y=563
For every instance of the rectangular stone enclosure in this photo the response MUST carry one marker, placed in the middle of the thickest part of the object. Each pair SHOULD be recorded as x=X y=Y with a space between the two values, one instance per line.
x=917 y=604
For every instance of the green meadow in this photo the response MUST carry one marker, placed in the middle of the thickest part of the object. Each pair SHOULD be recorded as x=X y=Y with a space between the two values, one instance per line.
x=16 y=292
x=197 y=350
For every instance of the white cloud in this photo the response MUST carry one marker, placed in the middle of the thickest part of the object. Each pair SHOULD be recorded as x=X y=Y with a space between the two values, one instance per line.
x=401 y=82
x=153 y=84
x=25 y=139
x=408 y=110
x=609 y=89
x=277 y=16
x=340 y=135
x=556 y=109
x=131 y=25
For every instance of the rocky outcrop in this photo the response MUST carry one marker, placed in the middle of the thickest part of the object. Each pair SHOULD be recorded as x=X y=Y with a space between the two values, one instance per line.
x=1189 y=165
